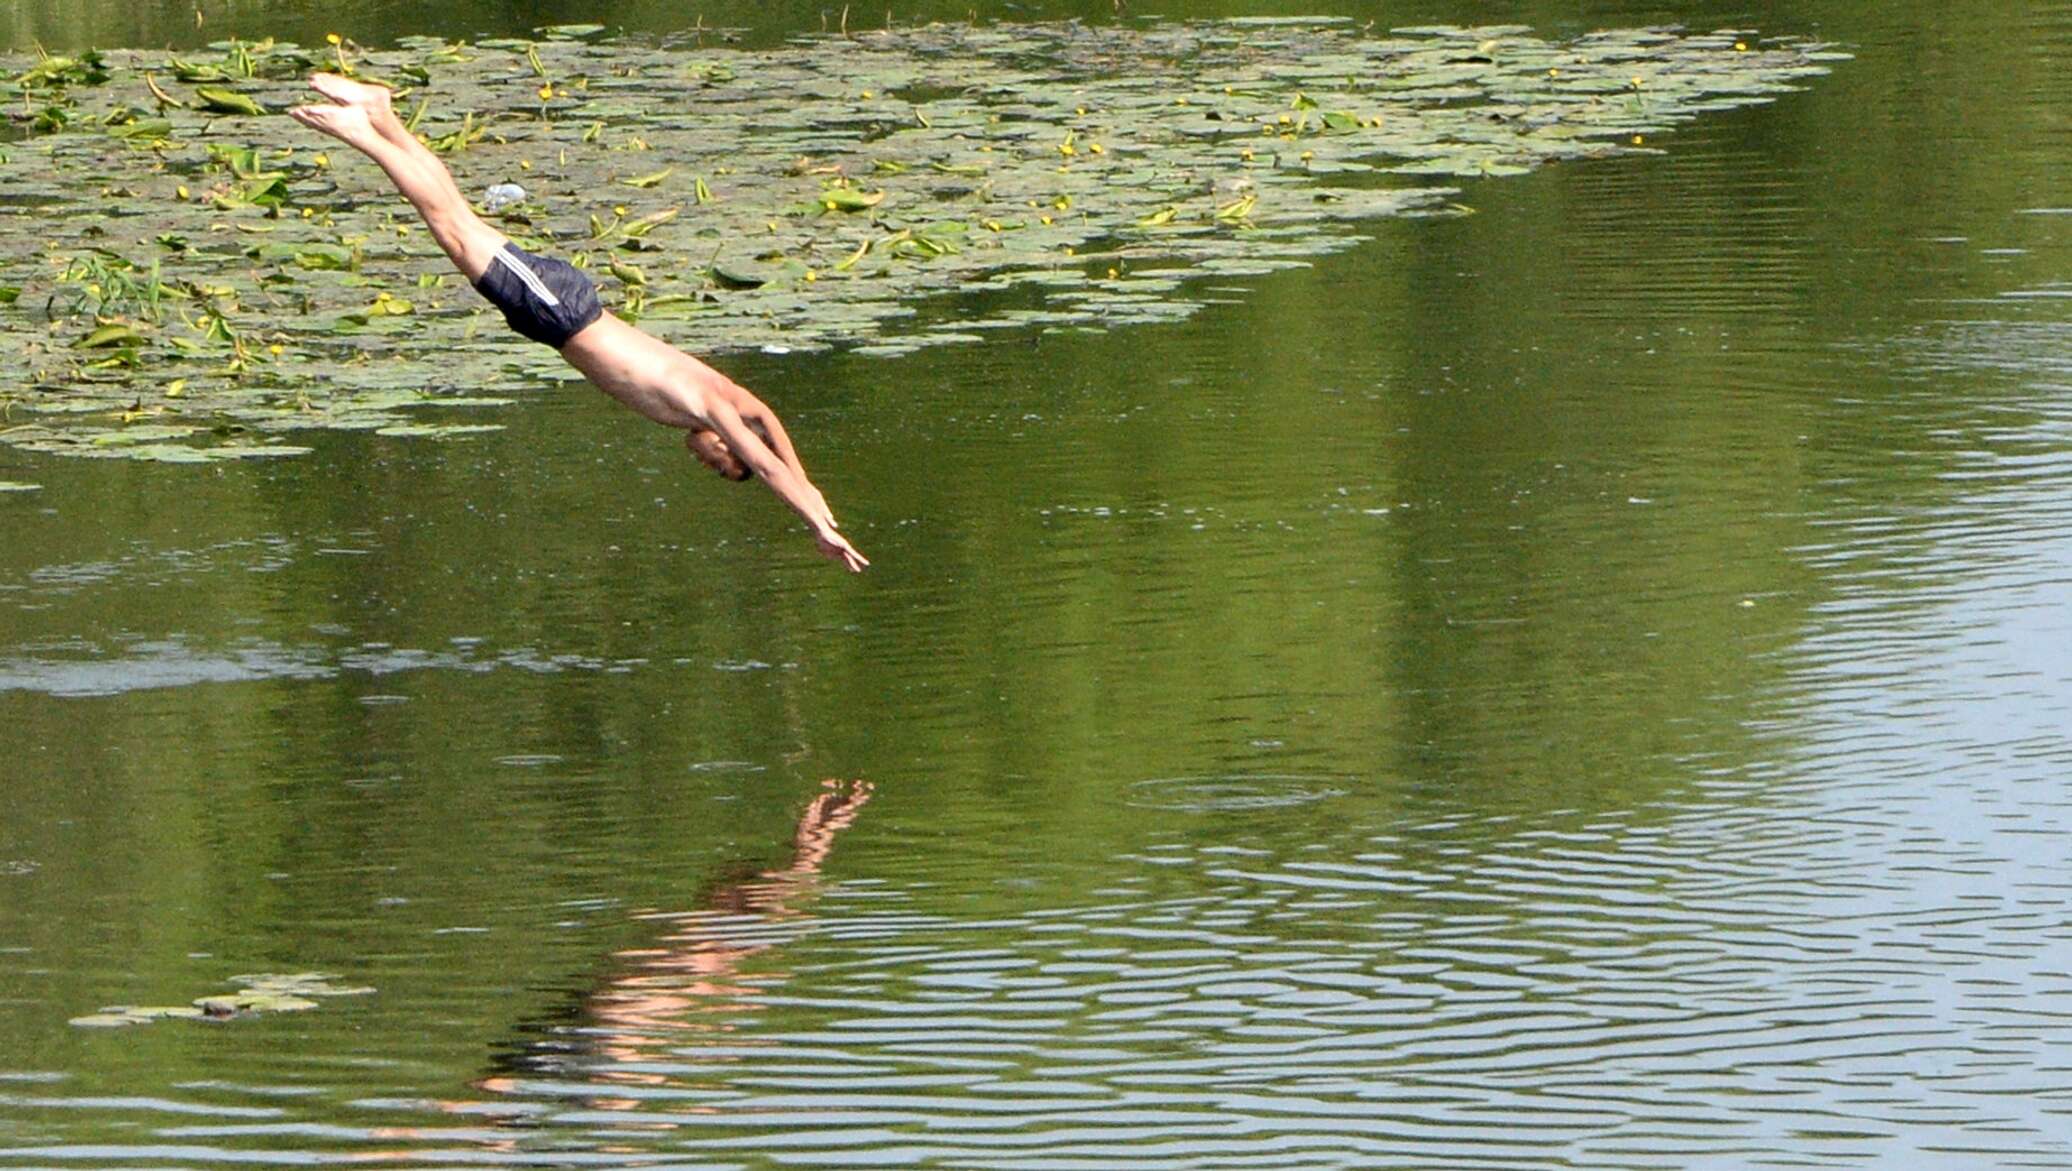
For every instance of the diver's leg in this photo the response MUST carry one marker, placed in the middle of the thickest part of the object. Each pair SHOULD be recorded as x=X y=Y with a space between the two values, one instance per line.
x=370 y=127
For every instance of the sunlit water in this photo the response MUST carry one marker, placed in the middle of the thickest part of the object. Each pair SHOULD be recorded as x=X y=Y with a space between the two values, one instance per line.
x=1580 y=685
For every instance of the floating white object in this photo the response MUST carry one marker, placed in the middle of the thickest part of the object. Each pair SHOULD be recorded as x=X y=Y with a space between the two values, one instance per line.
x=503 y=195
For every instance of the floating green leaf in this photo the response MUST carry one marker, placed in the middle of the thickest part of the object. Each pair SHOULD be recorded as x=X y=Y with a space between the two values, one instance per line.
x=108 y=1020
x=260 y=995
x=438 y=430
x=849 y=199
x=226 y=101
x=190 y=72
x=324 y=258
x=108 y=335
x=733 y=277
x=639 y=228
x=649 y=180
x=54 y=72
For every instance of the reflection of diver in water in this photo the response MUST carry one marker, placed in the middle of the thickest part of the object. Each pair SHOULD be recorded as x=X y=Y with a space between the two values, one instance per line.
x=688 y=988
x=656 y=1002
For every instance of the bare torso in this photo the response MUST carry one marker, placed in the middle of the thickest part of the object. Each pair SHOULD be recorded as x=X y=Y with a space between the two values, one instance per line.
x=641 y=371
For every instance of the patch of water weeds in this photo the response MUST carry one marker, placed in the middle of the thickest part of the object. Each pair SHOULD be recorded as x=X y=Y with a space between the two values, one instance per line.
x=258 y=995
x=195 y=278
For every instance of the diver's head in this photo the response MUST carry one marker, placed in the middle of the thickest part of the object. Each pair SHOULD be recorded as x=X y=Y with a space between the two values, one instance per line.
x=713 y=452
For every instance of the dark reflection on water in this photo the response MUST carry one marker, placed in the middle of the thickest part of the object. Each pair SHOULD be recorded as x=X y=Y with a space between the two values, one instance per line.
x=1581 y=684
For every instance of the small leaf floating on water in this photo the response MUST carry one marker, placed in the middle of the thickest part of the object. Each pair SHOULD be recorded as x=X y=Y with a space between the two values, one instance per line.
x=437 y=430
x=738 y=278
x=113 y=1019
x=224 y=101
x=649 y=180
x=108 y=335
x=319 y=984
x=262 y=995
x=849 y=199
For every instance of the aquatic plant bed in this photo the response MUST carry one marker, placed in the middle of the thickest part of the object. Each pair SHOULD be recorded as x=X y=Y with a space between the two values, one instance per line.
x=185 y=275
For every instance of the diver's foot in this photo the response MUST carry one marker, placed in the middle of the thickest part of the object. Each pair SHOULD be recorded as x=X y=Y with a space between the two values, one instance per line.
x=348 y=124
x=346 y=92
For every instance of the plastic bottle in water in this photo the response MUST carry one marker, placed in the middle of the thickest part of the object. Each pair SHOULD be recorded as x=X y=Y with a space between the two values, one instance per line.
x=503 y=195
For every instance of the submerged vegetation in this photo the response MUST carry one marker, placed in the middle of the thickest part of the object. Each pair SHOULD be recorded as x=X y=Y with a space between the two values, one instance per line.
x=187 y=277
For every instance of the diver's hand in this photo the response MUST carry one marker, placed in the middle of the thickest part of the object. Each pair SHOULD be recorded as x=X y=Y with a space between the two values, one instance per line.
x=836 y=547
x=818 y=514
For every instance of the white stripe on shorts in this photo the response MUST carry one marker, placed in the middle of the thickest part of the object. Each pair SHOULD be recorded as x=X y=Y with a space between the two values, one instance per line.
x=532 y=279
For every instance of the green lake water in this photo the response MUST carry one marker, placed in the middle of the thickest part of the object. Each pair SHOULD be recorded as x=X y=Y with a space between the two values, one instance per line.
x=1581 y=684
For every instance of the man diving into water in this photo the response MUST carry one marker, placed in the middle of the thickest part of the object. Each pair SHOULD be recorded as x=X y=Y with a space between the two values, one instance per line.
x=730 y=430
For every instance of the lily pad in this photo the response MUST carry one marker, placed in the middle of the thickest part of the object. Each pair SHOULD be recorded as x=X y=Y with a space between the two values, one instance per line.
x=252 y=1002
x=299 y=984
x=108 y=1020
x=108 y=335
x=225 y=101
x=261 y=995
x=438 y=430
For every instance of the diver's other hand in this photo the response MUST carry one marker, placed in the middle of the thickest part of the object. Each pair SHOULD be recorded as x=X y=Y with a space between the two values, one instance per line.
x=836 y=547
x=817 y=510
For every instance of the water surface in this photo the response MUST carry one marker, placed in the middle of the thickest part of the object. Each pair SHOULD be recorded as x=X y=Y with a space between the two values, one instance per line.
x=1579 y=684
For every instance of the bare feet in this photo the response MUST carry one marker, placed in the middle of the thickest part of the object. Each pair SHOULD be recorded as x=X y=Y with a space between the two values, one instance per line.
x=348 y=124
x=346 y=92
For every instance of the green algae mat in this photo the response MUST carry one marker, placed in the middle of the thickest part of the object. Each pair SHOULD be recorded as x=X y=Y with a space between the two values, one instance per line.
x=186 y=275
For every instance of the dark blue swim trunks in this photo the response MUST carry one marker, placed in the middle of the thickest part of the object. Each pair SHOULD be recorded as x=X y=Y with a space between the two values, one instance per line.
x=546 y=300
